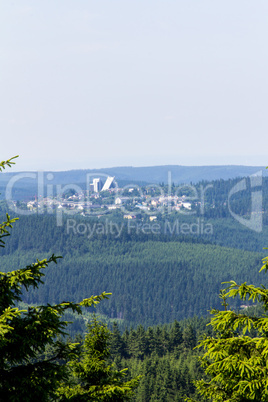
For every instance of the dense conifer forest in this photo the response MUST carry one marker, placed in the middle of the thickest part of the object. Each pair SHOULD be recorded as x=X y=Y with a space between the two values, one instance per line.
x=163 y=283
x=163 y=355
x=153 y=279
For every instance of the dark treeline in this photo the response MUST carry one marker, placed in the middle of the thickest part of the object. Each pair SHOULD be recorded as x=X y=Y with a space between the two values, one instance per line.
x=142 y=342
x=163 y=356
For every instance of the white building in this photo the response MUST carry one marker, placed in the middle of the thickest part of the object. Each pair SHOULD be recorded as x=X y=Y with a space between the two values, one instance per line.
x=96 y=185
x=108 y=184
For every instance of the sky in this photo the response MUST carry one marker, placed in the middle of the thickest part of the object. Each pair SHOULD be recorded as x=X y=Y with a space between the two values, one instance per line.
x=95 y=84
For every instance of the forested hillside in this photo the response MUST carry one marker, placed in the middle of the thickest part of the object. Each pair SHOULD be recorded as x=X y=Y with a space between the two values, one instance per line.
x=153 y=280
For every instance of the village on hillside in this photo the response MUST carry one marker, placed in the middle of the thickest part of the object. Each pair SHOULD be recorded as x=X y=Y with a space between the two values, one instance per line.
x=106 y=197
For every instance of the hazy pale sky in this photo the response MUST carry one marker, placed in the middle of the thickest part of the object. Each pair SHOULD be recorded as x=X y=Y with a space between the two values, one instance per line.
x=90 y=84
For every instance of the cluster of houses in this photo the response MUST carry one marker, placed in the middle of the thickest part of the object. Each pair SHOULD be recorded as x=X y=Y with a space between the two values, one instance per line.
x=81 y=204
x=111 y=199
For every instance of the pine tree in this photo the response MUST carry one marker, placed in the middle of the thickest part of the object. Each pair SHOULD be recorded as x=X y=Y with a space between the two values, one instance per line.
x=117 y=345
x=176 y=337
x=94 y=378
x=30 y=347
x=189 y=337
x=235 y=361
x=25 y=335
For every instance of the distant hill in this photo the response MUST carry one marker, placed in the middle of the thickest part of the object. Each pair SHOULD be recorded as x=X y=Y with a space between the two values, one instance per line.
x=153 y=174
x=129 y=175
x=181 y=174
